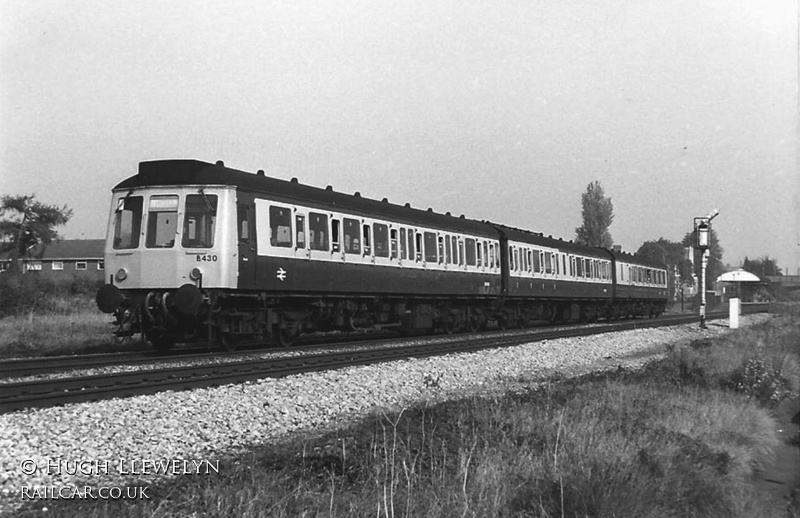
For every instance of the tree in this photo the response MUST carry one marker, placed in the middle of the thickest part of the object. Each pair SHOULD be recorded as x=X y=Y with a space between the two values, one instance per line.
x=598 y=213
x=715 y=266
x=26 y=222
x=670 y=254
x=763 y=266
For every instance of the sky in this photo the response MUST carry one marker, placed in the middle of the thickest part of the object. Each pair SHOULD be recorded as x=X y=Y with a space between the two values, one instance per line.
x=503 y=110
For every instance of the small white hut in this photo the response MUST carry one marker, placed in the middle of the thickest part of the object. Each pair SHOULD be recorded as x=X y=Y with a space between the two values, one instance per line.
x=738 y=283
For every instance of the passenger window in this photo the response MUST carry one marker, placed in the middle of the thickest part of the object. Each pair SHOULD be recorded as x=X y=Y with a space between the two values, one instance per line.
x=414 y=245
x=280 y=222
x=367 y=240
x=548 y=262
x=300 y=223
x=128 y=222
x=352 y=244
x=403 y=248
x=243 y=223
x=537 y=263
x=418 y=245
x=579 y=267
x=381 y=236
x=510 y=258
x=470 y=244
x=491 y=255
x=335 y=235
x=162 y=222
x=448 y=249
x=198 y=221
x=430 y=247
x=454 y=243
x=480 y=255
x=393 y=242
x=461 y=252
x=318 y=231
x=440 y=240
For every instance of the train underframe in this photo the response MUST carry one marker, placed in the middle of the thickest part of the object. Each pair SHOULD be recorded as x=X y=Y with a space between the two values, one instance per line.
x=226 y=319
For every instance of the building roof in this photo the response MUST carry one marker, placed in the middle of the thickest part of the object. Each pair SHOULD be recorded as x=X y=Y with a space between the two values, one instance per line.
x=66 y=249
x=739 y=275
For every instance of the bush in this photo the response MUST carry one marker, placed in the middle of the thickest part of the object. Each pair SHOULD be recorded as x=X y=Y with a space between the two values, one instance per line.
x=757 y=379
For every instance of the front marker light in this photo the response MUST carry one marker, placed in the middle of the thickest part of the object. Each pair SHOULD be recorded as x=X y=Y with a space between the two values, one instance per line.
x=195 y=274
x=121 y=275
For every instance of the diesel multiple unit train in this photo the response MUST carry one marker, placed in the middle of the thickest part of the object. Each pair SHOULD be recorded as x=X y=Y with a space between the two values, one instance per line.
x=198 y=251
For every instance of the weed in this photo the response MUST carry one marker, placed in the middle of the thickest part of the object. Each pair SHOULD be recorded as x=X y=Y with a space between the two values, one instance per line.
x=757 y=379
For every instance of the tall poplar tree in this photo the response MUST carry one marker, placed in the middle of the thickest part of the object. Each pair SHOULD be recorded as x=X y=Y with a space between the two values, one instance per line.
x=598 y=213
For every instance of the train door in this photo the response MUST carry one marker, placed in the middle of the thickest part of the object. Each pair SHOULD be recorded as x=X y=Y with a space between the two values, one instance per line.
x=246 y=238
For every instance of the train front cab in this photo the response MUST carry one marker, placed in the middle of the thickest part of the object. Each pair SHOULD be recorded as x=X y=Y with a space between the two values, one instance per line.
x=166 y=247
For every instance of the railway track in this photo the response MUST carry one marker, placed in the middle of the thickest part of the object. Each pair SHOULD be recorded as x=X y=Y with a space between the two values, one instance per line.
x=19 y=368
x=57 y=391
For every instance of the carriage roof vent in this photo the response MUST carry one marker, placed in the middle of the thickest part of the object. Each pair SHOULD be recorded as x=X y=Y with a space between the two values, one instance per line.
x=448 y=213
x=430 y=209
x=385 y=200
x=294 y=179
x=357 y=194
x=329 y=188
x=220 y=163
x=407 y=205
x=260 y=172
x=461 y=216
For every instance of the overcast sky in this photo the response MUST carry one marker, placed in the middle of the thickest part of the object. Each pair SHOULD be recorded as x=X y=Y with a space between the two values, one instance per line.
x=499 y=109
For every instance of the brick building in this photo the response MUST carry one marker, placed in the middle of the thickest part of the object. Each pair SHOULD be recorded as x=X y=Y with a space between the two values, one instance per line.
x=64 y=259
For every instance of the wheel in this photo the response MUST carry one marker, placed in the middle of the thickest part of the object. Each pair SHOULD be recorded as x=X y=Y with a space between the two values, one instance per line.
x=449 y=326
x=284 y=336
x=473 y=323
x=502 y=322
x=229 y=341
x=160 y=340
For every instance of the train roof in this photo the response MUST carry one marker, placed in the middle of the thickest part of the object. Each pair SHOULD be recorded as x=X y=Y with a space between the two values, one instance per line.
x=625 y=257
x=535 y=238
x=196 y=172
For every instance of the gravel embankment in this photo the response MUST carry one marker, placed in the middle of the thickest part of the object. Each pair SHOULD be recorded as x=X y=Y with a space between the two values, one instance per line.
x=206 y=424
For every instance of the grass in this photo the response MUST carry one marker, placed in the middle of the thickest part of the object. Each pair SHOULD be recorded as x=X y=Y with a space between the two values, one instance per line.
x=78 y=329
x=681 y=437
x=42 y=317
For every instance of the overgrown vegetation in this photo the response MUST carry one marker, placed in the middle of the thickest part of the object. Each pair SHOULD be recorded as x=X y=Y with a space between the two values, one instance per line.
x=681 y=437
x=41 y=316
